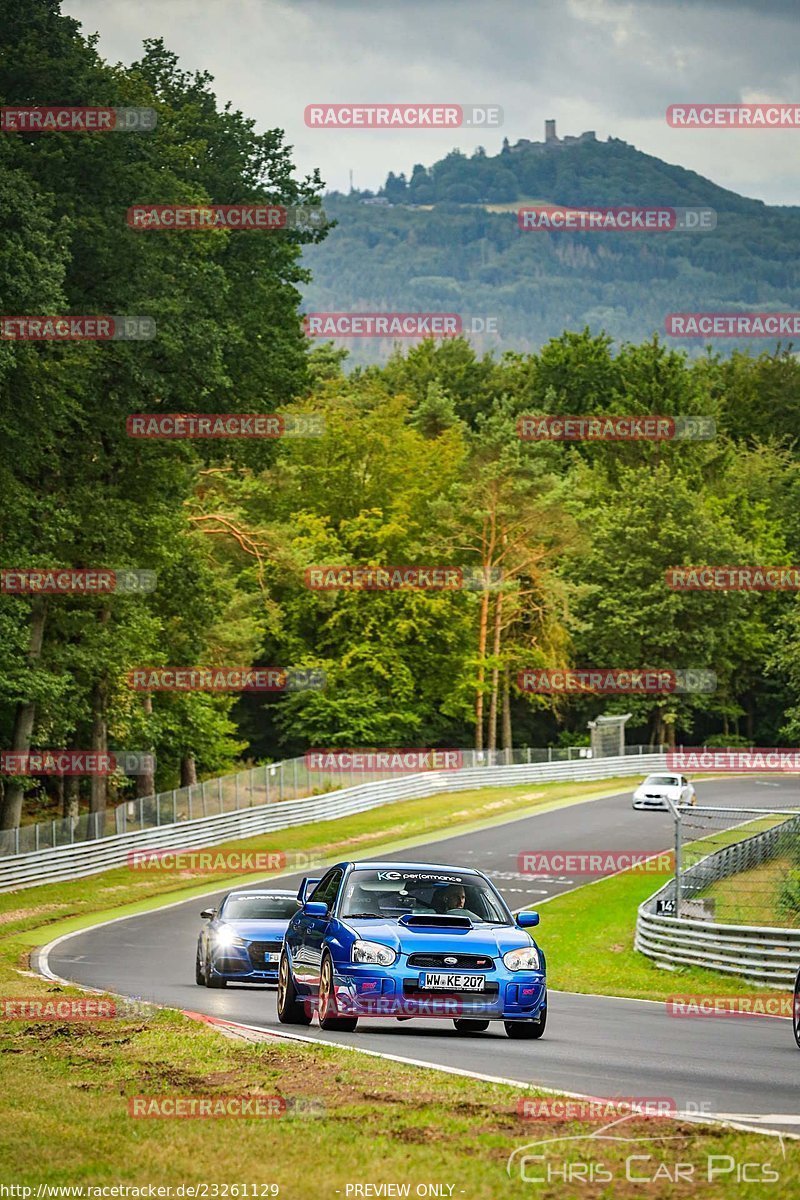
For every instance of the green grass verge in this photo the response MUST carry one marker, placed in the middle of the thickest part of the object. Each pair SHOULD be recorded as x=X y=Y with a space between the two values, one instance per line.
x=755 y=897
x=66 y=1091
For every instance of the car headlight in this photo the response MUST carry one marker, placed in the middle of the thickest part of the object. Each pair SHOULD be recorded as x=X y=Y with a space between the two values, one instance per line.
x=372 y=952
x=224 y=937
x=524 y=959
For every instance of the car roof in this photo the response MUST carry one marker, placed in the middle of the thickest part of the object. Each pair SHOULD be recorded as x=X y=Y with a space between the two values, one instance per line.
x=383 y=865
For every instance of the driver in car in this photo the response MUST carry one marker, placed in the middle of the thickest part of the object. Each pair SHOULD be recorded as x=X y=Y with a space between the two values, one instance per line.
x=455 y=897
x=450 y=900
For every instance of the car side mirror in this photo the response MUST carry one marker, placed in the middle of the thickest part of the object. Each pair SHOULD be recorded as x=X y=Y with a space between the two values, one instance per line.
x=315 y=908
x=307 y=886
x=208 y=913
x=527 y=920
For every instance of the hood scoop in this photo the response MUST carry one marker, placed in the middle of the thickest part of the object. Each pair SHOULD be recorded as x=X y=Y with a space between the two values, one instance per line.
x=434 y=921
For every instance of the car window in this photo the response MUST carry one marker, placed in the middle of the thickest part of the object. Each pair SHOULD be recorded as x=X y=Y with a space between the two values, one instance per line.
x=663 y=780
x=259 y=908
x=326 y=889
x=391 y=894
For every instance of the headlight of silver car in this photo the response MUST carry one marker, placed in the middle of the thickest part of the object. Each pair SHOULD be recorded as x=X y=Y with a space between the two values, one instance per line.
x=372 y=952
x=524 y=959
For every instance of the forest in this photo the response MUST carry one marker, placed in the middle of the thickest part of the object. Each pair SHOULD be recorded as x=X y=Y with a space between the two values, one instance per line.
x=414 y=460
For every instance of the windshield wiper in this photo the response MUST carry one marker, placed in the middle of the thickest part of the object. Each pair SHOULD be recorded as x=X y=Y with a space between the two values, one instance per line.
x=362 y=916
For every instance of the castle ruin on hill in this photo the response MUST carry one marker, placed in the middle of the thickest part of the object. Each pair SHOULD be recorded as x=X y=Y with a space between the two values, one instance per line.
x=552 y=141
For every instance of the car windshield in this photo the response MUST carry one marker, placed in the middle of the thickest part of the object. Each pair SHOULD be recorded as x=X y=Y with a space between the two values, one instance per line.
x=391 y=893
x=664 y=780
x=259 y=908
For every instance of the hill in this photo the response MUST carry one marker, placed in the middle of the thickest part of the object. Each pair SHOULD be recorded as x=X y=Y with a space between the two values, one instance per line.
x=435 y=241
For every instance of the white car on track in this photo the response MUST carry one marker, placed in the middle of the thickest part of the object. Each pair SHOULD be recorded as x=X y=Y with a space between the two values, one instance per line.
x=657 y=789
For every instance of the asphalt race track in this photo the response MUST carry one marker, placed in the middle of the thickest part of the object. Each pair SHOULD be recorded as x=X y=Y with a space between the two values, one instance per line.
x=745 y=1068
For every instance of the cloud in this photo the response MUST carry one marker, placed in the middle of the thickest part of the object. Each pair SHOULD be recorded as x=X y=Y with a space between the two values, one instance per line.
x=607 y=65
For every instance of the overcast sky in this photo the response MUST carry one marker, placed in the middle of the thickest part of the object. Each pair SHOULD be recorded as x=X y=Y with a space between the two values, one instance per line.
x=605 y=65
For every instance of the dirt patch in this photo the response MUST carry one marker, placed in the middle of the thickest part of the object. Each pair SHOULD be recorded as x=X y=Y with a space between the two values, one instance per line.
x=375 y=835
x=22 y=914
x=83 y=1040
x=421 y=1137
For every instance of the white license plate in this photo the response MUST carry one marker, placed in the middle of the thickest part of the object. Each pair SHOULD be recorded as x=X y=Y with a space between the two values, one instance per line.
x=432 y=980
x=273 y=957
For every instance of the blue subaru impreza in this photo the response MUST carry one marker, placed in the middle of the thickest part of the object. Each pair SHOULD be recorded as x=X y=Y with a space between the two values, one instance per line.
x=410 y=940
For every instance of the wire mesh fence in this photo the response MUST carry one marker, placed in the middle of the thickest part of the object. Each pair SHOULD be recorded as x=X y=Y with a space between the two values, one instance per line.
x=273 y=783
x=738 y=866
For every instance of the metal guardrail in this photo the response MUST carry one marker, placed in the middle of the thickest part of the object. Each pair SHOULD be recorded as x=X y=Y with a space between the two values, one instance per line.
x=290 y=779
x=91 y=857
x=764 y=954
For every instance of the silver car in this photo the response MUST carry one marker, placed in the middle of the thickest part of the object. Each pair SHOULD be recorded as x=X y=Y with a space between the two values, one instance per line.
x=656 y=789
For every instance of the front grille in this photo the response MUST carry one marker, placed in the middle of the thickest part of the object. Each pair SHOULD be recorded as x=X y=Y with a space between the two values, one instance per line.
x=257 y=950
x=231 y=966
x=475 y=962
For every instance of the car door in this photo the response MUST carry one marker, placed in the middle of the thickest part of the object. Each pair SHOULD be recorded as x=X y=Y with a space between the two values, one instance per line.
x=316 y=927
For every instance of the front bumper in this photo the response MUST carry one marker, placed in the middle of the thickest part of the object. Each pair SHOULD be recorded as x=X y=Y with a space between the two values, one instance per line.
x=656 y=802
x=234 y=963
x=370 y=991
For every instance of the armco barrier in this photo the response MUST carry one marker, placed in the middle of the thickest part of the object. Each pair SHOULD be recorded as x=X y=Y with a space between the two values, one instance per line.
x=764 y=954
x=767 y=956
x=270 y=783
x=88 y=858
